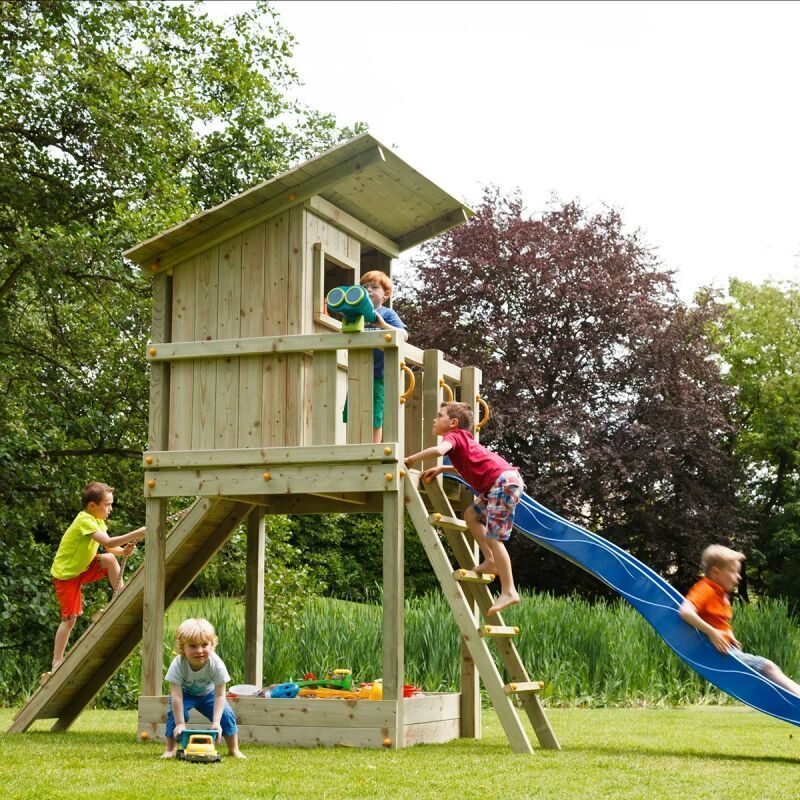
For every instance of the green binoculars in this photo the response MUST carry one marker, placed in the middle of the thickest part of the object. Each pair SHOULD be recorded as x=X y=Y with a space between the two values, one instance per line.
x=353 y=303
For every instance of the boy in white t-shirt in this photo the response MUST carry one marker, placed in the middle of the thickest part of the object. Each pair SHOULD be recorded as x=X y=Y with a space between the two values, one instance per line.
x=197 y=678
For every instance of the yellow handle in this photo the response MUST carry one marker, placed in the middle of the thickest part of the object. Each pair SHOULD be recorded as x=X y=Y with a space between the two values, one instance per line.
x=486 y=413
x=448 y=390
x=412 y=383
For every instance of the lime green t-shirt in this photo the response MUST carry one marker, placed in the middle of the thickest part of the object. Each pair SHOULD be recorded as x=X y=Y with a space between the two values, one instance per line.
x=77 y=548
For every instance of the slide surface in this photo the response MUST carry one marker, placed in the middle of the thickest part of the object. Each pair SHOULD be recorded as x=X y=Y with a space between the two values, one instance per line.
x=657 y=602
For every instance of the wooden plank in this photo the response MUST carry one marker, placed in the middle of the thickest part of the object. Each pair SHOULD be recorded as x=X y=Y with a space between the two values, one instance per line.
x=251 y=386
x=430 y=707
x=394 y=386
x=160 y=331
x=431 y=732
x=360 y=230
x=359 y=396
x=271 y=345
x=431 y=400
x=325 y=400
x=318 y=454
x=393 y=600
x=229 y=304
x=181 y=392
x=254 y=599
x=281 y=480
x=205 y=329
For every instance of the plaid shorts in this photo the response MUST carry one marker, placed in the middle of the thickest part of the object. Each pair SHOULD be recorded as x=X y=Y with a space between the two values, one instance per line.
x=496 y=508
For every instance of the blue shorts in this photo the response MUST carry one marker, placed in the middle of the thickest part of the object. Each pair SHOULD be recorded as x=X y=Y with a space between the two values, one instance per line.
x=754 y=662
x=204 y=703
x=496 y=509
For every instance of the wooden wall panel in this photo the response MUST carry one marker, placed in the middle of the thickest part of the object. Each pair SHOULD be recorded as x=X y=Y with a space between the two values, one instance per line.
x=251 y=369
x=205 y=328
x=182 y=373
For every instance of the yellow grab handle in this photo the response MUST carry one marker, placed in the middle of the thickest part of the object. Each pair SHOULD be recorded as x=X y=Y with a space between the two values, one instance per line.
x=448 y=390
x=486 y=413
x=412 y=383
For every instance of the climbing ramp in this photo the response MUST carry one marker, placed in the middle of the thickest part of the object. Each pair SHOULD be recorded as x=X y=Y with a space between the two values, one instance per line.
x=658 y=603
x=116 y=631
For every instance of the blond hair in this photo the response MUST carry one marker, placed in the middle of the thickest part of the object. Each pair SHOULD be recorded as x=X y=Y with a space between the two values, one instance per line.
x=717 y=555
x=460 y=412
x=192 y=631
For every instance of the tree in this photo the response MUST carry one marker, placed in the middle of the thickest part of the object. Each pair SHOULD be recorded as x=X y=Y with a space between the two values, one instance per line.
x=760 y=341
x=602 y=384
x=117 y=120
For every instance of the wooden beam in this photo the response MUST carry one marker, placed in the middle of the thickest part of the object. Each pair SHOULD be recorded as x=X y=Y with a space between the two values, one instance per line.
x=322 y=454
x=153 y=608
x=433 y=228
x=355 y=227
x=267 y=345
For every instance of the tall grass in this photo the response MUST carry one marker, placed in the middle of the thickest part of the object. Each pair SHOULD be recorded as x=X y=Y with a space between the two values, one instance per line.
x=593 y=654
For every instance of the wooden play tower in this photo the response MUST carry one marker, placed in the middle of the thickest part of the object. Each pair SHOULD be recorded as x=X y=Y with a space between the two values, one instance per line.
x=248 y=379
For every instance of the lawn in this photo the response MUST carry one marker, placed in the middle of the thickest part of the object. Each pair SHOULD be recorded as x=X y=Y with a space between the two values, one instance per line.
x=696 y=751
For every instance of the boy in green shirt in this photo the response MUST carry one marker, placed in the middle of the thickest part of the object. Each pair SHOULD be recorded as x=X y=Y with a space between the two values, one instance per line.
x=77 y=561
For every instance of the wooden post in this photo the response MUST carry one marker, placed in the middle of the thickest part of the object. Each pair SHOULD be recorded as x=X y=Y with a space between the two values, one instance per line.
x=153 y=601
x=470 y=680
x=432 y=364
x=254 y=599
x=393 y=600
x=156 y=508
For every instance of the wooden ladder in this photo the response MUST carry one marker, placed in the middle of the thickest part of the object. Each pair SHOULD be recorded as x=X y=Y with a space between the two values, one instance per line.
x=464 y=588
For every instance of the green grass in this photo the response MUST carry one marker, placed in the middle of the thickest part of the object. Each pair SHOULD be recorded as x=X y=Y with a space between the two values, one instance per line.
x=696 y=752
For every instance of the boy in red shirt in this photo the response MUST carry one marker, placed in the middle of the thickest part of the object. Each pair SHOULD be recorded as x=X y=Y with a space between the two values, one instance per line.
x=707 y=608
x=491 y=517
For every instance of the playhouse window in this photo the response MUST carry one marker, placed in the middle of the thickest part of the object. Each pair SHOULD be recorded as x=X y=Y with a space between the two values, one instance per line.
x=337 y=274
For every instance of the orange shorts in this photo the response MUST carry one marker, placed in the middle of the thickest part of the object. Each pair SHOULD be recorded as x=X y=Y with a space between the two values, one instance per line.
x=69 y=593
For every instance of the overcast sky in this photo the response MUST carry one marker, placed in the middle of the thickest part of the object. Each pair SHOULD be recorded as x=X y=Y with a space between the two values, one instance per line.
x=684 y=116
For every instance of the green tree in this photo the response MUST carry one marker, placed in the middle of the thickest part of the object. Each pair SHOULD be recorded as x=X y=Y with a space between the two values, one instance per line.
x=117 y=120
x=760 y=340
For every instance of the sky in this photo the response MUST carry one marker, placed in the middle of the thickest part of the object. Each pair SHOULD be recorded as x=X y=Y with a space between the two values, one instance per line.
x=684 y=116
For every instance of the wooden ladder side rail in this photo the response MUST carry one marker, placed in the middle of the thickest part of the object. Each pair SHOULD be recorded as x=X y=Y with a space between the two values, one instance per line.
x=509 y=655
x=460 y=606
x=111 y=639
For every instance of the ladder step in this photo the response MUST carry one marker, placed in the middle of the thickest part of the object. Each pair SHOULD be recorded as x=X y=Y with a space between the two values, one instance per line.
x=523 y=687
x=441 y=521
x=469 y=576
x=498 y=631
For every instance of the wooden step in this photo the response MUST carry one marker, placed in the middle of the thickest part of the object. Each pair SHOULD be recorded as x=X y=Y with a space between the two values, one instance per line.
x=452 y=523
x=498 y=631
x=523 y=687
x=470 y=576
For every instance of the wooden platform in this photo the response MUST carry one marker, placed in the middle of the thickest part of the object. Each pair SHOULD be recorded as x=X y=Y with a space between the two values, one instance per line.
x=311 y=722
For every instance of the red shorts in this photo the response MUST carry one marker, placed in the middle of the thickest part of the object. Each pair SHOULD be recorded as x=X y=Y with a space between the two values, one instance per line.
x=68 y=591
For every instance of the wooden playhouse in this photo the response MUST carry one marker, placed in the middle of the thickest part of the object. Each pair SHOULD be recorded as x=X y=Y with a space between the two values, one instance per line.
x=248 y=380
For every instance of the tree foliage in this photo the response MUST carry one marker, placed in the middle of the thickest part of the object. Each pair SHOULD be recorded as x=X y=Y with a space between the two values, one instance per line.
x=760 y=341
x=117 y=120
x=602 y=384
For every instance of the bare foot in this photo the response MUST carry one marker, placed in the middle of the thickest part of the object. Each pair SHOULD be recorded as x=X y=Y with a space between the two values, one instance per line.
x=168 y=754
x=485 y=568
x=503 y=601
x=44 y=677
x=236 y=754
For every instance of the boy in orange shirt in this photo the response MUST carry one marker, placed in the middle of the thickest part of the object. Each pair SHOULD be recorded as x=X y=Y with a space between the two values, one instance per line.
x=707 y=608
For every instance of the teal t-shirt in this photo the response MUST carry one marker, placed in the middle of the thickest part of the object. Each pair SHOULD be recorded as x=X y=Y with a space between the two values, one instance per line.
x=77 y=548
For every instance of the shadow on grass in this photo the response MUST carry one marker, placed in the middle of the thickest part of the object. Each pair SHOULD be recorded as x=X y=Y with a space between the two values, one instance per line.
x=700 y=755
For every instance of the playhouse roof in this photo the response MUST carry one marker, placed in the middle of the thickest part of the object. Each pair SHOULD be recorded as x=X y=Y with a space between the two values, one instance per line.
x=361 y=176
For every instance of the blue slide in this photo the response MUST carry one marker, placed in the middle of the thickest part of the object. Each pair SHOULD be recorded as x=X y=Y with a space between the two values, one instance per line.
x=657 y=602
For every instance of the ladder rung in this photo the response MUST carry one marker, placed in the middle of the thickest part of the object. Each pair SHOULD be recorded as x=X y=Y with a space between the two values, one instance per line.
x=469 y=576
x=441 y=521
x=523 y=687
x=498 y=631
